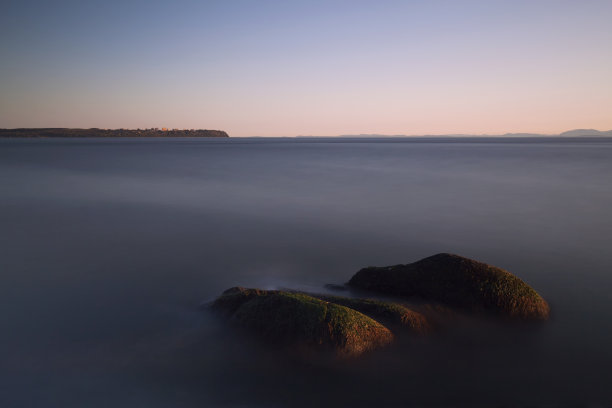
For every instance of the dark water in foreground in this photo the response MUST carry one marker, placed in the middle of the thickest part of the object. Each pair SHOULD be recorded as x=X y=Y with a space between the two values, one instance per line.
x=107 y=247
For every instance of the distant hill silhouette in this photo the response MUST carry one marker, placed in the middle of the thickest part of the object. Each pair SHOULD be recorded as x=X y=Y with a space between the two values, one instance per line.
x=569 y=133
x=586 y=132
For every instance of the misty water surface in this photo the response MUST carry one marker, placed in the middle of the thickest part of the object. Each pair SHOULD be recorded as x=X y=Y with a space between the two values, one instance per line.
x=108 y=247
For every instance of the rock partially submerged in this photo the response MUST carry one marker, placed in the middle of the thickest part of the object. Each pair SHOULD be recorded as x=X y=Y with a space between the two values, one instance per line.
x=459 y=282
x=388 y=313
x=298 y=319
x=349 y=327
x=335 y=287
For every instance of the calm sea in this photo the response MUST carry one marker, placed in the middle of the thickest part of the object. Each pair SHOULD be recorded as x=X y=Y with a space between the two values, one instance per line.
x=108 y=247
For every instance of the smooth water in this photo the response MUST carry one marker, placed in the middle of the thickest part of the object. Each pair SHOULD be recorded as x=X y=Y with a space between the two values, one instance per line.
x=107 y=248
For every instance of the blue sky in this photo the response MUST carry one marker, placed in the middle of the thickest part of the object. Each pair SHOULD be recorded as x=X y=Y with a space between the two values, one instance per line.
x=317 y=68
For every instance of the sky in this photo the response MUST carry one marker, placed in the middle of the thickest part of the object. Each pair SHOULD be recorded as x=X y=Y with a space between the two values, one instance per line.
x=287 y=68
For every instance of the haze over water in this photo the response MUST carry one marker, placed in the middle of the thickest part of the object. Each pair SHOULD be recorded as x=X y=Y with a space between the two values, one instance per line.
x=108 y=247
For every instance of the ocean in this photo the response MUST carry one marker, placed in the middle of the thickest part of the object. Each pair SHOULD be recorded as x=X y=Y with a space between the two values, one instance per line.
x=108 y=247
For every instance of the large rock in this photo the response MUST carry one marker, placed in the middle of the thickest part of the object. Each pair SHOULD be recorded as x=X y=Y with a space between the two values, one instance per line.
x=299 y=319
x=459 y=282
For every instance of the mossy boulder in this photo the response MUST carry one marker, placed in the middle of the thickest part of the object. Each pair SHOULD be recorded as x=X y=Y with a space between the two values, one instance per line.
x=458 y=282
x=298 y=319
x=389 y=313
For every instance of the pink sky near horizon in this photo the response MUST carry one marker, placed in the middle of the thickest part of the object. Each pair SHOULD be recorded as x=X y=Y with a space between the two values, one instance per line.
x=322 y=69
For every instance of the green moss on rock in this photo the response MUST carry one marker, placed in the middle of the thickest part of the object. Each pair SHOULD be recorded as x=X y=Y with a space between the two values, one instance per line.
x=386 y=312
x=299 y=319
x=459 y=282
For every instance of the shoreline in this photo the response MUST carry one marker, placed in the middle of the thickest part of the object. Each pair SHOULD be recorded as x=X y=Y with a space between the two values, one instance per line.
x=108 y=133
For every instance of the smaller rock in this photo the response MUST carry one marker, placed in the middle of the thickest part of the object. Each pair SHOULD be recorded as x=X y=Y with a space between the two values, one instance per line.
x=388 y=313
x=297 y=319
x=336 y=287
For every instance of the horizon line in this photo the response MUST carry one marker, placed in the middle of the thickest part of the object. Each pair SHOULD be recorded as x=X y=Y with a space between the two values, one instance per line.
x=572 y=132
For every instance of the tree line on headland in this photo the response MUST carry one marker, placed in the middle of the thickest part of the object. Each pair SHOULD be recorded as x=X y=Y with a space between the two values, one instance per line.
x=96 y=132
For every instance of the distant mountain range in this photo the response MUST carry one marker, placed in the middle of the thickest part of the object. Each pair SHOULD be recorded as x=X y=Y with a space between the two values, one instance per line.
x=569 y=133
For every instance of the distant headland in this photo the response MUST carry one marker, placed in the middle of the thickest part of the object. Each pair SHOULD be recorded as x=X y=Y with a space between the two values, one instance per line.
x=96 y=132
